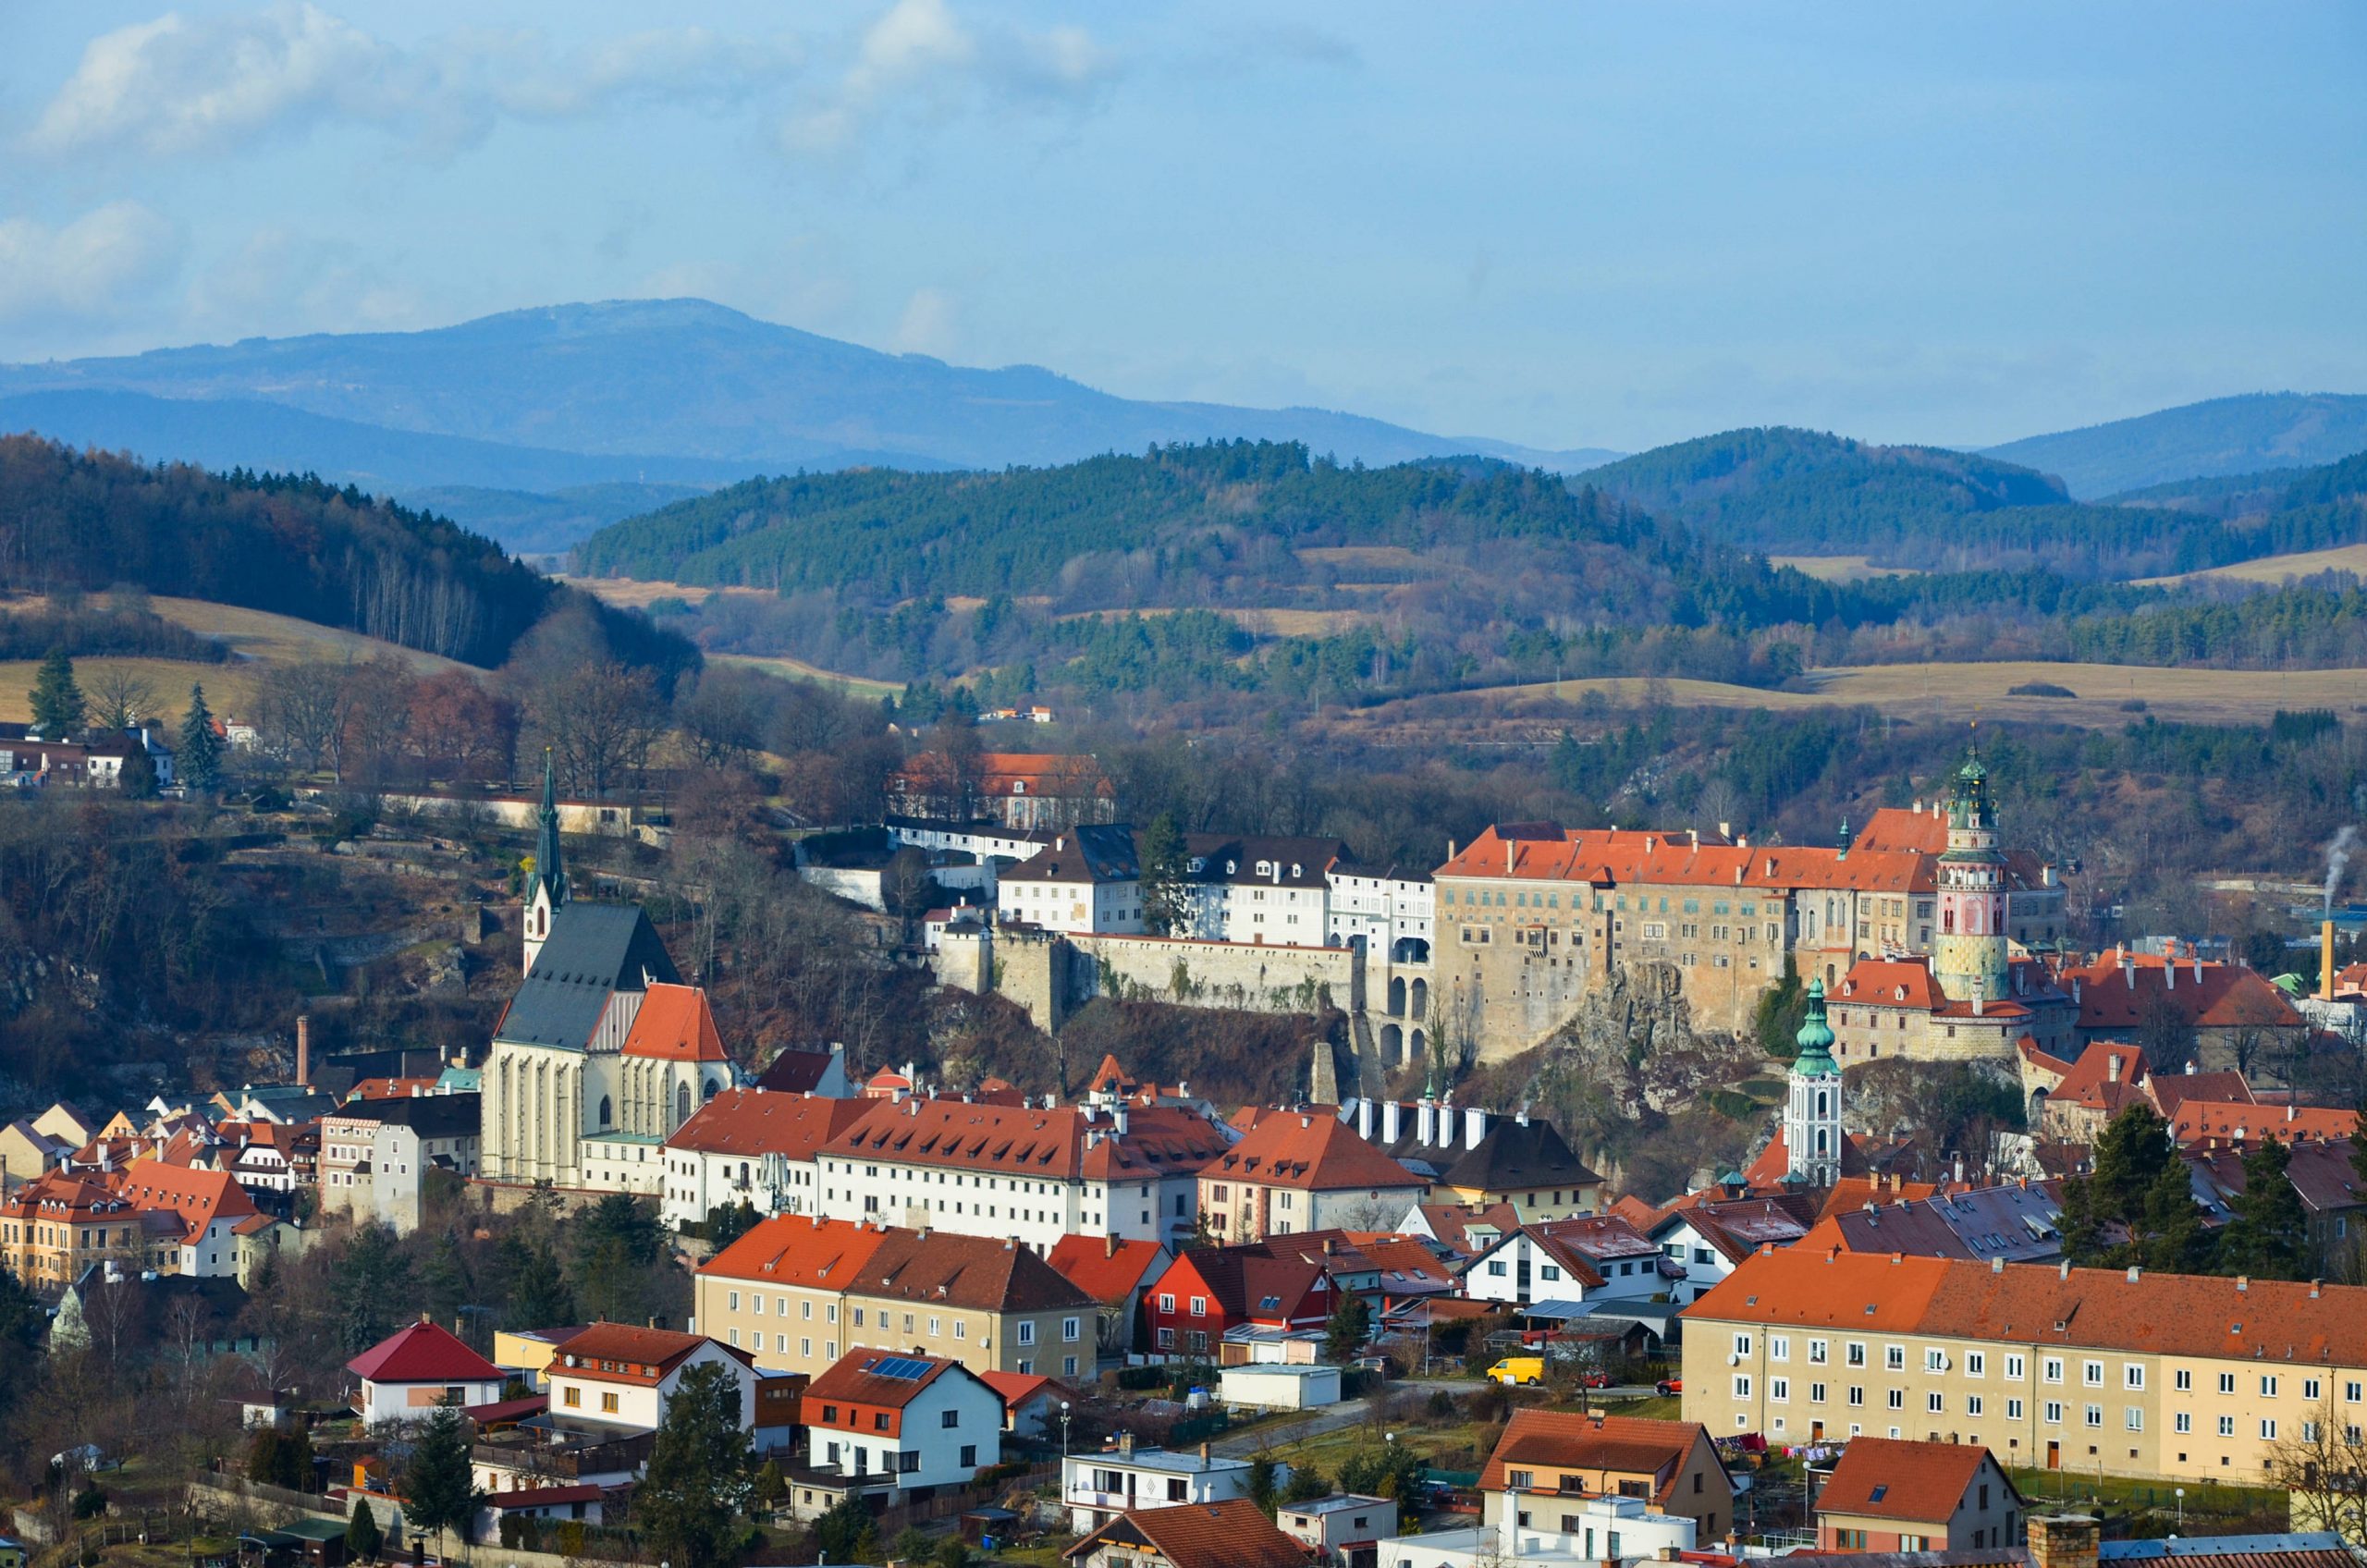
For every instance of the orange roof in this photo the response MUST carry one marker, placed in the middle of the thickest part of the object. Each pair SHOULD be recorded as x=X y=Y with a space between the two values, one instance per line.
x=1452 y=1224
x=56 y=1194
x=2118 y=990
x=1020 y=1140
x=1537 y=1438
x=1104 y=1267
x=1011 y=773
x=1232 y=1534
x=1856 y=1192
x=674 y=1024
x=2105 y=1077
x=796 y=1249
x=2087 y=1308
x=1911 y=1482
x=757 y=1122
x=200 y=1196
x=1313 y=1151
x=2197 y=1119
x=1612 y=856
x=1895 y=828
x=1892 y=983
x=392 y=1088
x=1016 y=1388
x=620 y=1352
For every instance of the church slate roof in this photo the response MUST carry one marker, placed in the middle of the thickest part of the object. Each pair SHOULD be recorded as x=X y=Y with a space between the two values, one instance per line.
x=594 y=950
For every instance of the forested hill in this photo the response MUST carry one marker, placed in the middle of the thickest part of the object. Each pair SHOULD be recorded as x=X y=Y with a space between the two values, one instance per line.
x=1798 y=492
x=2224 y=435
x=900 y=535
x=291 y=544
x=2257 y=495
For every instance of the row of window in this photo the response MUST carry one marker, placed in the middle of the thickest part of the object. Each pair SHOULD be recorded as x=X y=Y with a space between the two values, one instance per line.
x=2052 y=1368
x=1070 y=1327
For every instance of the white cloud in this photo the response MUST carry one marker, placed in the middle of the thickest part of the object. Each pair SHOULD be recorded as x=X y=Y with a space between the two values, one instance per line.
x=930 y=325
x=182 y=85
x=279 y=282
x=919 y=55
x=88 y=269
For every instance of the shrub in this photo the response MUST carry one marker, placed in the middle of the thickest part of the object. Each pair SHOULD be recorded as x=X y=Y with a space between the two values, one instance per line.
x=2134 y=704
x=90 y=1501
x=2039 y=689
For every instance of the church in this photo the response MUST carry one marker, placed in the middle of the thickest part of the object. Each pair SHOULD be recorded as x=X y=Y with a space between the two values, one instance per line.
x=603 y=1052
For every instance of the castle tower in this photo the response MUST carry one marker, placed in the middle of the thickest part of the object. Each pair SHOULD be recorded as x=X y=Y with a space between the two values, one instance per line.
x=1968 y=951
x=547 y=889
x=1812 y=1115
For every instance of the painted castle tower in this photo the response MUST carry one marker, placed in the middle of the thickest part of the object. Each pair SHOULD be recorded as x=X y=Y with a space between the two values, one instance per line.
x=1812 y=1115
x=1969 y=951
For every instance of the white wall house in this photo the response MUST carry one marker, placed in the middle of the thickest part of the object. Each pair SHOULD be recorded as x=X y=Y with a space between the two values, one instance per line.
x=751 y=1145
x=1096 y=1487
x=1549 y=1531
x=1582 y=1260
x=406 y=1375
x=921 y=1420
x=616 y=1375
x=1385 y=908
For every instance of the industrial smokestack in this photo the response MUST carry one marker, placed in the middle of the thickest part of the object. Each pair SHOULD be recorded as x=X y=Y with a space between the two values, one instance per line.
x=2326 y=958
x=304 y=1044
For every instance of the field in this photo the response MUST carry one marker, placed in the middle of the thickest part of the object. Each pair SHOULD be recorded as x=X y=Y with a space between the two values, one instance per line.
x=2276 y=569
x=1949 y=693
x=1298 y=623
x=1385 y=556
x=1840 y=569
x=632 y=592
x=798 y=670
x=257 y=639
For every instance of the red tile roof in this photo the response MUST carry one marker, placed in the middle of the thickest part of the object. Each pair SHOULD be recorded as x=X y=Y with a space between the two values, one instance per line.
x=198 y=1196
x=981 y=1272
x=1016 y=1389
x=1911 y=1482
x=1539 y=1439
x=621 y=1352
x=421 y=1353
x=853 y=1378
x=2171 y=1090
x=1892 y=983
x=1232 y=1534
x=1309 y=1151
x=2094 y=1308
x=2199 y=1120
x=1104 y=1267
x=1627 y=855
x=674 y=1024
x=759 y=1121
x=2208 y=996
x=1022 y=1140
x=797 y=1249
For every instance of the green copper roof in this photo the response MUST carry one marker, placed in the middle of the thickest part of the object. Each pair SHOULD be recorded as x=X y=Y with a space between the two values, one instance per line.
x=549 y=870
x=1815 y=1038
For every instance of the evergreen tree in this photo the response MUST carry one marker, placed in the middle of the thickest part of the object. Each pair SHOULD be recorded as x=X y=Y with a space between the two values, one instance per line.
x=2269 y=1237
x=846 y=1533
x=373 y=1281
x=444 y=1280
x=200 y=758
x=1265 y=1490
x=1166 y=877
x=538 y=1293
x=2082 y=1233
x=57 y=703
x=363 y=1536
x=1347 y=1329
x=701 y=1470
x=138 y=780
x=2129 y=1158
x=727 y=1222
x=439 y=1491
x=2174 y=1240
x=772 y=1487
x=619 y=1243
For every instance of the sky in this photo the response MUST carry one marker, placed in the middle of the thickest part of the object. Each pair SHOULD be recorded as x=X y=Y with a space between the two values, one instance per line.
x=1565 y=224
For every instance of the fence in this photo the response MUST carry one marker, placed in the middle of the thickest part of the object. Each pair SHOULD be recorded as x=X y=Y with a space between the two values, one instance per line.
x=961 y=1500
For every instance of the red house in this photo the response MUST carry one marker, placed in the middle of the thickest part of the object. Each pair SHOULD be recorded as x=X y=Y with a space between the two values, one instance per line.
x=1208 y=1290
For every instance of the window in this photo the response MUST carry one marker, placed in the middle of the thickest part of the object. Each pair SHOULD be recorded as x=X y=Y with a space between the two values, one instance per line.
x=1972 y=1404
x=1742 y=1385
x=2053 y=1412
x=2132 y=1418
x=1898 y=1398
x=2227 y=1382
x=949 y=1419
x=1895 y=1358
x=1935 y=1360
x=2351 y=1392
x=1742 y=1344
x=2183 y=1380
x=1026 y=1332
x=571 y=1396
x=2268 y=1385
x=2013 y=1410
x=609 y=1402
x=1936 y=1402
x=1166 y=1301
x=1779 y=1389
x=1856 y=1357
x=2093 y=1374
x=1779 y=1347
x=969 y=1456
x=2226 y=1426
x=1857 y=1393
x=1976 y=1363
x=2182 y=1423
x=2016 y=1369
x=1816 y=1396
x=2268 y=1429
x=1816 y=1353
x=2132 y=1376
x=2313 y=1389
x=2051 y=1369
x=1199 y=1306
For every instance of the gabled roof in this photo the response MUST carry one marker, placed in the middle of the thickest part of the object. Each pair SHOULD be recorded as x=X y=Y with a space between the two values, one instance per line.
x=1029 y=1141
x=594 y=951
x=2118 y=990
x=620 y=1352
x=1015 y=1389
x=754 y=1122
x=984 y=1273
x=1739 y=1227
x=1549 y=853
x=1105 y=1267
x=879 y=1377
x=1308 y=1151
x=421 y=1353
x=1903 y=983
x=1453 y=1225
x=2171 y=1090
x=1232 y=1534
x=2320 y=1170
x=1248 y=1284
x=1537 y=1439
x=674 y=1024
x=2199 y=1120
x=1086 y=853
x=1911 y=1482
x=796 y=1071
x=2020 y=1223
x=798 y=1249
x=198 y=1196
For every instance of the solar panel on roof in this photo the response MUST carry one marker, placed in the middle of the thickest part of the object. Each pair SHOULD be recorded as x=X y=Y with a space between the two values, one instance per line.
x=899 y=1367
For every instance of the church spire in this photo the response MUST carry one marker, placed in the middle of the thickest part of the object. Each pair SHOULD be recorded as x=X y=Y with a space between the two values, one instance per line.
x=548 y=869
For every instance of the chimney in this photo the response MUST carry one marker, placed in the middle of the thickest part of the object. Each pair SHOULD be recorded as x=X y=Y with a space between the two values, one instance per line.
x=1508 y=857
x=1126 y=1445
x=1109 y=1245
x=1475 y=1127
x=1430 y=1124
x=1118 y=1119
x=1364 y=1119
x=1204 y=1456
x=2170 y=973
x=1389 y=1131
x=2244 y=1282
x=2326 y=961
x=2063 y=1540
x=2112 y=1066
x=2127 y=969
x=304 y=1049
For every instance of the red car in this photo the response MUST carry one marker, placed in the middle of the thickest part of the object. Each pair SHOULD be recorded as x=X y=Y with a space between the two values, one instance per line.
x=1669 y=1386
x=1594 y=1380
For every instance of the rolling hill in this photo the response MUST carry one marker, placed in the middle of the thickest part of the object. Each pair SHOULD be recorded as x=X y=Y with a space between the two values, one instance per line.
x=694 y=382
x=2224 y=435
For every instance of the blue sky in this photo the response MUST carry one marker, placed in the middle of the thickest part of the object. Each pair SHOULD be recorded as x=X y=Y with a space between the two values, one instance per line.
x=1565 y=224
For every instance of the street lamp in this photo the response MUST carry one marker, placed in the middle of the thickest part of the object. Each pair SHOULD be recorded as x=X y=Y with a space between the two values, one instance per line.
x=1064 y=1432
x=2181 y=1508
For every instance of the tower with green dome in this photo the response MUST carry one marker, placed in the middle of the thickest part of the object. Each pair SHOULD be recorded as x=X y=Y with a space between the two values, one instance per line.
x=1812 y=1114
x=1969 y=951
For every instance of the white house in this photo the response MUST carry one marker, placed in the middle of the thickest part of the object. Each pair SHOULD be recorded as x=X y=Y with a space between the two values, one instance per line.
x=376 y=1154
x=1086 y=879
x=1600 y=1257
x=918 y=1421
x=1391 y=911
x=1096 y=1487
x=616 y=1375
x=751 y=1145
x=1333 y=1527
x=1549 y=1530
x=1705 y=1243
x=406 y=1375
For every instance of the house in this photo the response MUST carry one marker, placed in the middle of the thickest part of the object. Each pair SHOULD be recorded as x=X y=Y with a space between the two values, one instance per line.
x=2198 y=1121
x=620 y=1376
x=526 y=1353
x=1546 y=1455
x=2169 y=1376
x=1897 y=1496
x=576 y=1500
x=26 y=1151
x=1257 y=887
x=416 y=1369
x=1707 y=1240
x=796 y=1290
x=1278 y=1385
x=1340 y=1530
x=917 y=1422
x=754 y=1145
x=1565 y=1532
x=1096 y=1487
x=2020 y=1222
x=376 y=1155
x=190 y=1217
x=1086 y=879
x=1473 y=1159
x=1032 y=1403
x=2332 y=1192
x=1599 y=1257
x=1116 y=1274
x=2121 y=993
x=804 y=1071
x=1019 y=789
x=1464 y=1233
x=1208 y=1293
x=1303 y=1170
x=272 y=1157
x=1037 y=1173
x=1234 y=1533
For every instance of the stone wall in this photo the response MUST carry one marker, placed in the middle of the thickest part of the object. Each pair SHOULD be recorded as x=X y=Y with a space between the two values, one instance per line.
x=1246 y=976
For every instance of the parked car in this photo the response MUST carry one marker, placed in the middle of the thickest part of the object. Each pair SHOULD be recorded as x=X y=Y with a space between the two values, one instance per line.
x=1518 y=1369
x=1669 y=1386
x=1594 y=1380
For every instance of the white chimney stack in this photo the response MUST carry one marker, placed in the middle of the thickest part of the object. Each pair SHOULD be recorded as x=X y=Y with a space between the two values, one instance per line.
x=1475 y=1127
x=1364 y=1119
x=1389 y=1129
x=1429 y=1128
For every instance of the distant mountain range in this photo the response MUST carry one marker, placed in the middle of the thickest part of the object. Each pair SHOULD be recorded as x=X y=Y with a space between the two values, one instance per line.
x=2222 y=437
x=668 y=391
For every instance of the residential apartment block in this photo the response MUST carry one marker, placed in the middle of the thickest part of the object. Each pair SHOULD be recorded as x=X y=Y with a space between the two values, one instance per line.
x=2166 y=1375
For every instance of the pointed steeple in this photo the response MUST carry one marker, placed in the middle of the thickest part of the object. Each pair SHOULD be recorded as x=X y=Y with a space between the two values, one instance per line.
x=549 y=871
x=1844 y=834
x=1815 y=1039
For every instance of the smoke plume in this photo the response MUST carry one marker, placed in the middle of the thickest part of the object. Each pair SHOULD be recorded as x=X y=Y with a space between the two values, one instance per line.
x=2337 y=859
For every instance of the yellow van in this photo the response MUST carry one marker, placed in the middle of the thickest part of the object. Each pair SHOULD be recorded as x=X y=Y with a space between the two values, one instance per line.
x=1529 y=1369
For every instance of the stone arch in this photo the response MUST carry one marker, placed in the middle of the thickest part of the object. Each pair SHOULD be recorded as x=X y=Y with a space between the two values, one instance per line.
x=1420 y=998
x=1393 y=1046
x=1415 y=1041
x=1397 y=996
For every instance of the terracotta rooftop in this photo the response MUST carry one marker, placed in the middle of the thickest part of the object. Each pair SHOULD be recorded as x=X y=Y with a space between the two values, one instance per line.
x=1232 y=1534
x=1911 y=1482
x=623 y=1353
x=757 y=1122
x=1023 y=1141
x=421 y=1353
x=2198 y=1120
x=1620 y=857
x=2120 y=990
x=674 y=1023
x=1105 y=1267
x=1309 y=1151
x=1541 y=1439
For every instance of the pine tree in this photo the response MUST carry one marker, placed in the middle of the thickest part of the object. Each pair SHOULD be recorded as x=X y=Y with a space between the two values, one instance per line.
x=363 y=1536
x=373 y=1279
x=1350 y=1324
x=57 y=703
x=2129 y=1158
x=2269 y=1237
x=439 y=1492
x=138 y=779
x=538 y=1293
x=2173 y=1238
x=200 y=759
x=1166 y=892
x=701 y=1470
